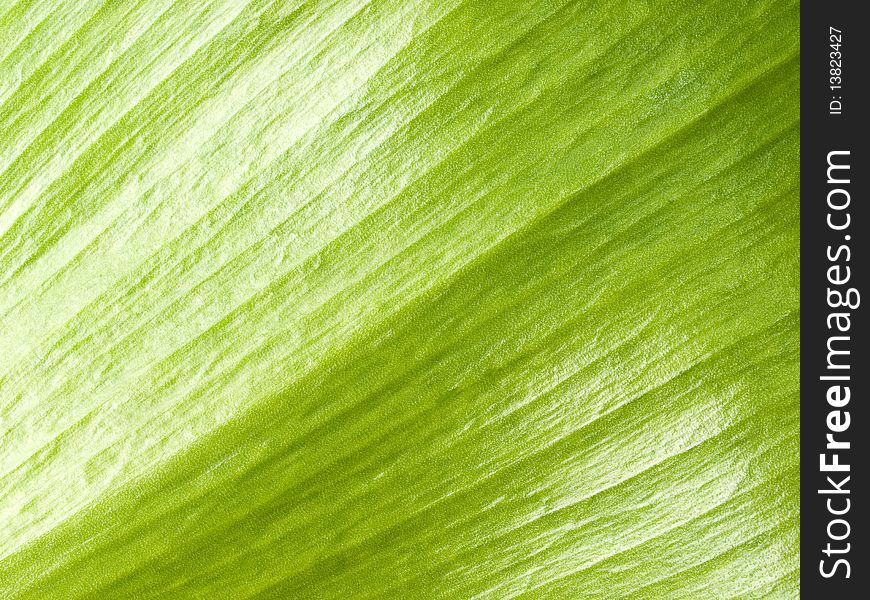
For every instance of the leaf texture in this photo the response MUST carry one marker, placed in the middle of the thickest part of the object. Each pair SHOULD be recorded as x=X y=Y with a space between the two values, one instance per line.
x=405 y=299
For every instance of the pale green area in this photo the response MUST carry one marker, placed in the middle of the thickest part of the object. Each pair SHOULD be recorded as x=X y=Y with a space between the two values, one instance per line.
x=404 y=299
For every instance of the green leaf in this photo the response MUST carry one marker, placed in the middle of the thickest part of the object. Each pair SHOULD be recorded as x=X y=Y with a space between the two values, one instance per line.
x=405 y=299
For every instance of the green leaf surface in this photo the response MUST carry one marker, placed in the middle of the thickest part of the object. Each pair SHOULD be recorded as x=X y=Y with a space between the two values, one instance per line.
x=399 y=299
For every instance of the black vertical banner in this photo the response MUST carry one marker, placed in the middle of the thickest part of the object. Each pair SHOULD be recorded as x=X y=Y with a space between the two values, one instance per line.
x=834 y=366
